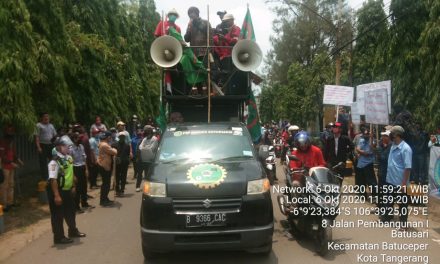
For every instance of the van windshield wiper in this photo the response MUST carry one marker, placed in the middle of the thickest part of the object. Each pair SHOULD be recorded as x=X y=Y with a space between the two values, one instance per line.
x=183 y=159
x=234 y=158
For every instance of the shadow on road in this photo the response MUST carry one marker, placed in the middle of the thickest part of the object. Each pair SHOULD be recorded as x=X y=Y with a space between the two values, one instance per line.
x=213 y=257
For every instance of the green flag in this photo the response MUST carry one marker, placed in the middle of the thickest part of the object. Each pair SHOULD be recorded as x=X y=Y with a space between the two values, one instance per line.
x=247 y=29
x=253 y=120
x=161 y=120
x=193 y=69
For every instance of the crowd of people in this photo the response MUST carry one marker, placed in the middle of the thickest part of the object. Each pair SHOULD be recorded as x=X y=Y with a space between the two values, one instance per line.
x=401 y=155
x=72 y=159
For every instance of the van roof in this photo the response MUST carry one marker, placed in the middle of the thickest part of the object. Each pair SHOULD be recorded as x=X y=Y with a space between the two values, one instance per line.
x=197 y=126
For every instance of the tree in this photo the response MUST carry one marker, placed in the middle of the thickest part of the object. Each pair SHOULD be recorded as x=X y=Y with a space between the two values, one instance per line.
x=430 y=66
x=18 y=65
x=408 y=20
x=370 y=52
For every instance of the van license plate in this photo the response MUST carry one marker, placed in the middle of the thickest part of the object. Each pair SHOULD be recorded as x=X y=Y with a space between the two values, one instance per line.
x=198 y=220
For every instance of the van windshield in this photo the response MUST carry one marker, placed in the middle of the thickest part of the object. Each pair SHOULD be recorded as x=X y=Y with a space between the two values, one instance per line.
x=196 y=145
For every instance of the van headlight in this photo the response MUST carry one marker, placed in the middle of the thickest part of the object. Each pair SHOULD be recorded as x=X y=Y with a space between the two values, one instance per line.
x=155 y=189
x=258 y=186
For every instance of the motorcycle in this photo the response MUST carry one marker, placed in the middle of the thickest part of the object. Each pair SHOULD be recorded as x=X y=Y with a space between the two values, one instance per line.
x=278 y=146
x=270 y=166
x=312 y=203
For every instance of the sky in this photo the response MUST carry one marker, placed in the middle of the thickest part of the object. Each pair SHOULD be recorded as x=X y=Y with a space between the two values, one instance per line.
x=261 y=13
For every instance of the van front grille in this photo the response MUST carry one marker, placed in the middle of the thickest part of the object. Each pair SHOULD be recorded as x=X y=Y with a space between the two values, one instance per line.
x=226 y=205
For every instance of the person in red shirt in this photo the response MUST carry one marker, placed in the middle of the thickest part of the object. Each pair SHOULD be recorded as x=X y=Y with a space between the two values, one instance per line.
x=9 y=162
x=308 y=155
x=166 y=24
x=162 y=29
x=224 y=39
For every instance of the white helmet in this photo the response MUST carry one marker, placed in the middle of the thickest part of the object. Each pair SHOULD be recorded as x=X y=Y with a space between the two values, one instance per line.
x=294 y=127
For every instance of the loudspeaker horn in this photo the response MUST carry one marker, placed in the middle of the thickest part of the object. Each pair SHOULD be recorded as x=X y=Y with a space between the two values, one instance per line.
x=247 y=55
x=166 y=51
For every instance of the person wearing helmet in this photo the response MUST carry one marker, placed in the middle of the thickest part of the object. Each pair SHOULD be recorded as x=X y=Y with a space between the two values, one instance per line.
x=308 y=155
x=224 y=41
x=293 y=130
x=60 y=193
x=284 y=139
x=163 y=28
x=327 y=133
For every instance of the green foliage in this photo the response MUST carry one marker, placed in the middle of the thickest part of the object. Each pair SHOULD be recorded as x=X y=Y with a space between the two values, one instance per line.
x=370 y=51
x=76 y=59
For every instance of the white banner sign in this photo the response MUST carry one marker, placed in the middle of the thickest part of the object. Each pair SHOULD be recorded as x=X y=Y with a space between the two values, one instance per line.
x=376 y=107
x=338 y=95
x=355 y=116
x=361 y=89
x=434 y=172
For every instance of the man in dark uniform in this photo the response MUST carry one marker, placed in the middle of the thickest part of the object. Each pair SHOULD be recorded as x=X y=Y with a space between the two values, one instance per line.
x=60 y=192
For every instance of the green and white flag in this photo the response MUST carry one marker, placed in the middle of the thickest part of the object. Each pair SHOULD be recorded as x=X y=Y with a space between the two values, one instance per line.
x=253 y=120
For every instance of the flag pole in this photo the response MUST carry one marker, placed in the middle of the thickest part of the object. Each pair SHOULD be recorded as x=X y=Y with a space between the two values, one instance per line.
x=209 y=67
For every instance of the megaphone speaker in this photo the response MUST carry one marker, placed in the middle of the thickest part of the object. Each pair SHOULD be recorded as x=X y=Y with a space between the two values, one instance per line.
x=247 y=55
x=166 y=51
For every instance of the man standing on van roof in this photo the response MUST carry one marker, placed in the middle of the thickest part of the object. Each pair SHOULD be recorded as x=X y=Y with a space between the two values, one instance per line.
x=196 y=33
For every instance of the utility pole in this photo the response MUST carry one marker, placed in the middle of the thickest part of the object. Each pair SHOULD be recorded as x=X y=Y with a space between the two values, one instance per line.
x=329 y=111
x=338 y=41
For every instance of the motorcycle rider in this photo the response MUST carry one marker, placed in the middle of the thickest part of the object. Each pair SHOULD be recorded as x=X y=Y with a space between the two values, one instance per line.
x=293 y=130
x=308 y=156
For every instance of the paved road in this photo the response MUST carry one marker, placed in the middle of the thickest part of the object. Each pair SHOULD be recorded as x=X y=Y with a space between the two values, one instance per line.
x=113 y=236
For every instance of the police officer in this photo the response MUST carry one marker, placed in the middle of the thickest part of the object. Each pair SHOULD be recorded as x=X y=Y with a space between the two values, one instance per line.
x=60 y=192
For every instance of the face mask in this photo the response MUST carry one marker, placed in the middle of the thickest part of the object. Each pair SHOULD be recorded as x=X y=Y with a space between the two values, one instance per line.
x=172 y=18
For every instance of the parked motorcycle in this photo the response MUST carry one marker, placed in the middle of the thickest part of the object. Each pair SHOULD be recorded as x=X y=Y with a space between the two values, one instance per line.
x=312 y=204
x=270 y=166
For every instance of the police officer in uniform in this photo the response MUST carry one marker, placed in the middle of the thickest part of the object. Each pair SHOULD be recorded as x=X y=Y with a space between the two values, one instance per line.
x=60 y=192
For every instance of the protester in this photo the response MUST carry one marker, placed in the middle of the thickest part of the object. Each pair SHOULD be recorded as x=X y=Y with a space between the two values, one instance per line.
x=60 y=192
x=162 y=29
x=337 y=148
x=105 y=162
x=384 y=147
x=9 y=163
x=79 y=170
x=419 y=172
x=147 y=152
x=224 y=41
x=135 y=141
x=398 y=173
x=44 y=135
x=365 y=175
x=196 y=34
x=98 y=125
x=94 y=153
x=122 y=162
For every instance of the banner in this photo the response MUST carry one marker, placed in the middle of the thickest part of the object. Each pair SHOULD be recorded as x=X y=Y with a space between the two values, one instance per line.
x=376 y=107
x=434 y=172
x=355 y=116
x=361 y=89
x=338 y=95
